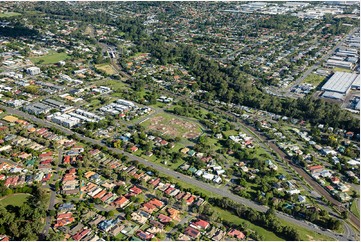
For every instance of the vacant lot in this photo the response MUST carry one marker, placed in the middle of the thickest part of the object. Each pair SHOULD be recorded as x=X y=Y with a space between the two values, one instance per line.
x=314 y=79
x=173 y=126
x=15 y=199
x=108 y=69
x=51 y=58
x=9 y=14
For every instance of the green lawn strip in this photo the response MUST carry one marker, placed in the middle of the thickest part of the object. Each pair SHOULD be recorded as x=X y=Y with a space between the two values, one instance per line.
x=341 y=69
x=227 y=216
x=14 y=199
x=9 y=14
x=50 y=58
x=355 y=208
x=306 y=234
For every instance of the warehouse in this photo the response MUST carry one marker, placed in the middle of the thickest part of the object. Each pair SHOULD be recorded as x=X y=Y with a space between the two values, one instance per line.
x=337 y=63
x=340 y=82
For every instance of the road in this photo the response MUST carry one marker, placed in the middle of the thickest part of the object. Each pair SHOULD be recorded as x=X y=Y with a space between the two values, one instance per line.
x=53 y=193
x=217 y=191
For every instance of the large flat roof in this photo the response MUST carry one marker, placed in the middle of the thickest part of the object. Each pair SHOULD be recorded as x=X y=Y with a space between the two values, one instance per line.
x=340 y=82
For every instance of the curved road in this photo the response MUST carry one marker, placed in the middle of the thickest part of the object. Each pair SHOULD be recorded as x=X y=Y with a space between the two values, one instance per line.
x=177 y=175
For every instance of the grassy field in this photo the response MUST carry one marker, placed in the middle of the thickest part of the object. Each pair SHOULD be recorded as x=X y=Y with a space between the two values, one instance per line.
x=306 y=234
x=172 y=125
x=230 y=132
x=314 y=79
x=108 y=69
x=116 y=86
x=227 y=216
x=15 y=199
x=9 y=14
x=51 y=58
x=355 y=208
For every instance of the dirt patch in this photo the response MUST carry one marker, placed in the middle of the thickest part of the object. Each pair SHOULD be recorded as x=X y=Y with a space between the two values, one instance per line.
x=174 y=127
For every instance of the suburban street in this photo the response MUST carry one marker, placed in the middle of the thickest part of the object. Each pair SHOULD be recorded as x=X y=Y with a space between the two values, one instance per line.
x=53 y=194
x=220 y=192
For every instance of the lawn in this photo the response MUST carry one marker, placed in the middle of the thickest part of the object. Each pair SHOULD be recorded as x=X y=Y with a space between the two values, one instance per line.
x=15 y=199
x=9 y=14
x=121 y=237
x=227 y=216
x=314 y=79
x=173 y=126
x=51 y=58
x=355 y=208
x=108 y=69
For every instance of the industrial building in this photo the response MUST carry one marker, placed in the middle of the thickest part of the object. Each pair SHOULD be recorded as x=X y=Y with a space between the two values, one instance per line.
x=340 y=82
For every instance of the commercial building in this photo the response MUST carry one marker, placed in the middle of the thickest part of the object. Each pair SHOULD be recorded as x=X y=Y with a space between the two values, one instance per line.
x=65 y=120
x=33 y=70
x=37 y=108
x=340 y=82
x=126 y=103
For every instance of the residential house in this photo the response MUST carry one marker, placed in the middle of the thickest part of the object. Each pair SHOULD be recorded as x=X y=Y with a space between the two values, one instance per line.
x=234 y=233
x=192 y=232
x=200 y=224
x=120 y=202
x=164 y=218
x=144 y=235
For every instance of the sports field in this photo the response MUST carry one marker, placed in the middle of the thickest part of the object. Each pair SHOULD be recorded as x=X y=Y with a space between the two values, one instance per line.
x=171 y=125
x=51 y=58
